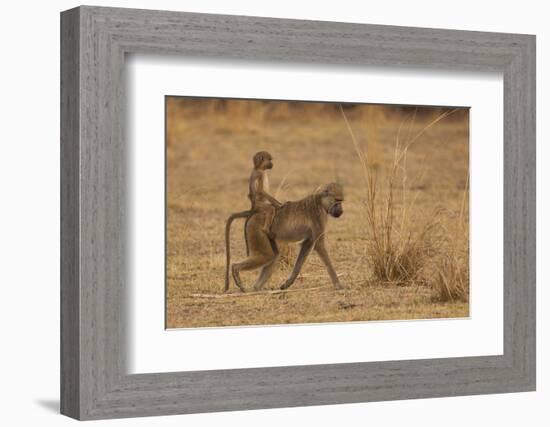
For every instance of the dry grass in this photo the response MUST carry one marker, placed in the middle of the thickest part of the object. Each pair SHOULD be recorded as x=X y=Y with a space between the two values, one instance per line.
x=452 y=279
x=399 y=252
x=385 y=247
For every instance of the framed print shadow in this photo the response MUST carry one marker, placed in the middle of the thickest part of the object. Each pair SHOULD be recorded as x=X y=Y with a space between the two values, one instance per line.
x=367 y=218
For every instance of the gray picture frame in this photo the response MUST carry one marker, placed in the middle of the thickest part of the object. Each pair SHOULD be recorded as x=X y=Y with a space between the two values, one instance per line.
x=94 y=381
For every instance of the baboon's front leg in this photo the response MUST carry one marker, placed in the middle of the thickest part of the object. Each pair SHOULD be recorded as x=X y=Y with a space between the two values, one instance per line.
x=304 y=252
x=323 y=254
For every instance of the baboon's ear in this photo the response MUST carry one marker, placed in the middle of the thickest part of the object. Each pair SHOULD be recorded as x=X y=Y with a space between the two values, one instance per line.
x=258 y=159
x=322 y=189
x=329 y=188
x=333 y=189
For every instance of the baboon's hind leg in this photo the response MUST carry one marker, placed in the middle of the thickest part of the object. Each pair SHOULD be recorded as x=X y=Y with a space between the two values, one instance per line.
x=266 y=273
x=262 y=251
x=251 y=263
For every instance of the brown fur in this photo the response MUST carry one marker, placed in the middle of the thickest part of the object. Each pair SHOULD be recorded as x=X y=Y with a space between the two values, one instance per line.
x=258 y=185
x=263 y=207
x=300 y=221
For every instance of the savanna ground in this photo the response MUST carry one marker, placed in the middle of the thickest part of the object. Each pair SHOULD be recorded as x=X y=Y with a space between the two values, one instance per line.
x=400 y=248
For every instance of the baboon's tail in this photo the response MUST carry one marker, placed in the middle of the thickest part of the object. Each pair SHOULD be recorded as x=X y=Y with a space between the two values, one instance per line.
x=243 y=214
x=246 y=235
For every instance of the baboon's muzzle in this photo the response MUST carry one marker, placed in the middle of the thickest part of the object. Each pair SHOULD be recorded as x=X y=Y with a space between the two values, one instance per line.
x=336 y=210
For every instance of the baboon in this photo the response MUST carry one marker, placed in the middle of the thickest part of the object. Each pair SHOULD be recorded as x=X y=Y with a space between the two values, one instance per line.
x=263 y=205
x=258 y=189
x=300 y=221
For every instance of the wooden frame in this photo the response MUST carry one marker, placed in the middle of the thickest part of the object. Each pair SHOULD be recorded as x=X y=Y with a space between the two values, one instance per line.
x=94 y=382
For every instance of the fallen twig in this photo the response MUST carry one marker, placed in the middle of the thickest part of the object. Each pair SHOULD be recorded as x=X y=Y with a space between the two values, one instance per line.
x=251 y=294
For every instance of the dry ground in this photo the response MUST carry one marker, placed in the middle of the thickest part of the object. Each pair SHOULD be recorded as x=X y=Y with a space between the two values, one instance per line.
x=209 y=152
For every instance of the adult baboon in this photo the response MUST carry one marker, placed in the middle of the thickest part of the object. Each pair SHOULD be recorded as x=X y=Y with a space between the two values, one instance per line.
x=300 y=221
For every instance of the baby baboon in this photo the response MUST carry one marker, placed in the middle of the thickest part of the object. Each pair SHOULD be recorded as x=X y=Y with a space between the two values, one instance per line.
x=262 y=202
x=263 y=207
x=301 y=221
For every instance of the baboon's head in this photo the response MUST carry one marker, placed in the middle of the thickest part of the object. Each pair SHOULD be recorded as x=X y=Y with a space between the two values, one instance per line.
x=263 y=160
x=332 y=198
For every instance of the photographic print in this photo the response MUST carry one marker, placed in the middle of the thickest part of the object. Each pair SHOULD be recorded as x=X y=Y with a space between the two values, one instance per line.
x=298 y=212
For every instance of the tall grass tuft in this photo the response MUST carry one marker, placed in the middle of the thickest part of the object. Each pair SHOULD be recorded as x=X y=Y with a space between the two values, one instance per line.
x=395 y=252
x=452 y=281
